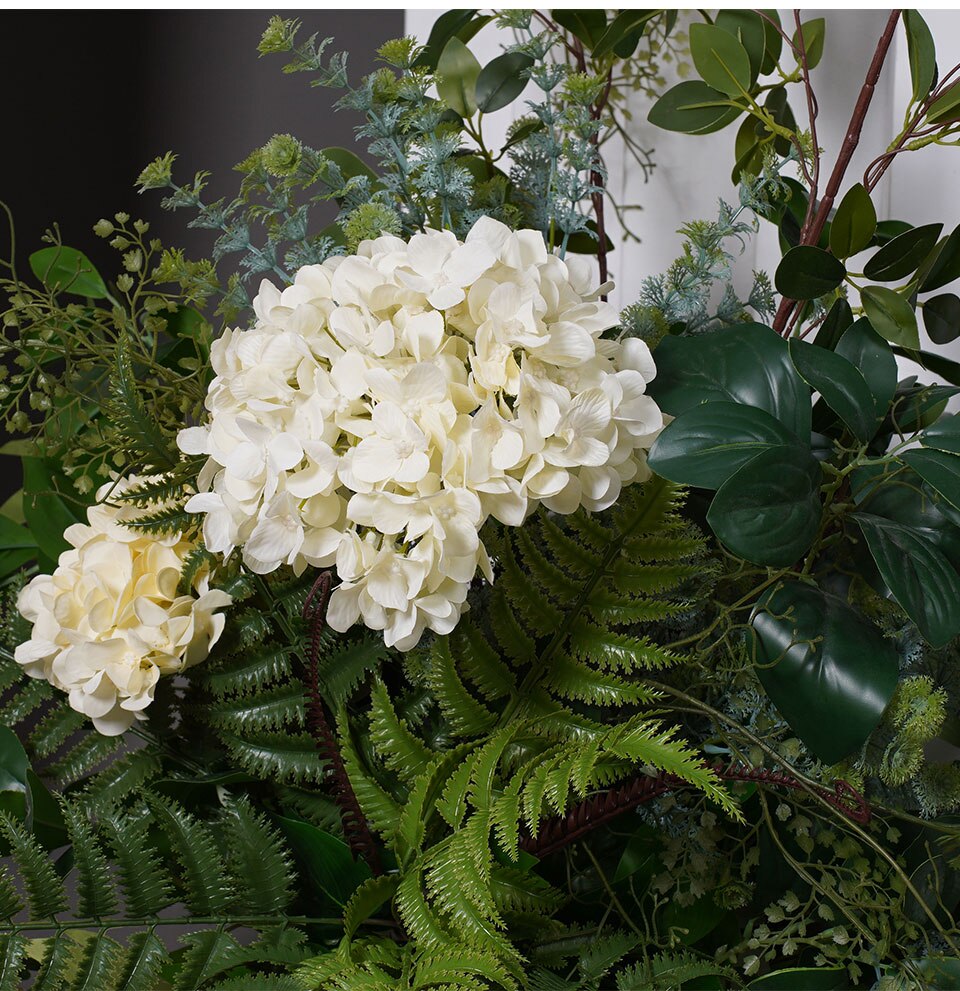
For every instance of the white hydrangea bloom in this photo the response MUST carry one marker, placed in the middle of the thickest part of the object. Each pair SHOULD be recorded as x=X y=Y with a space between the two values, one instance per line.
x=109 y=621
x=386 y=404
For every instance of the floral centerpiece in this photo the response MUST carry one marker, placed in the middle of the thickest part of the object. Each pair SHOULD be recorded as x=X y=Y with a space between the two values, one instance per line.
x=384 y=609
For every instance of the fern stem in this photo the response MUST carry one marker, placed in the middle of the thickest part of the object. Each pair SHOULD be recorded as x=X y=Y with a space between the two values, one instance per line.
x=64 y=925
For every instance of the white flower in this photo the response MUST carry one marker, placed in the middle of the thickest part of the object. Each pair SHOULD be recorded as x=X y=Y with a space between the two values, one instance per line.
x=109 y=621
x=386 y=404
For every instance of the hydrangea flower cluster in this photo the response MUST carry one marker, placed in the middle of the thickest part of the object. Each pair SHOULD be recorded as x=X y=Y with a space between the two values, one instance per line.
x=109 y=621
x=387 y=403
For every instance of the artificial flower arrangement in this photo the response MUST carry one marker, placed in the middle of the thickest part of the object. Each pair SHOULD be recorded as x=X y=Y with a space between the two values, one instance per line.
x=414 y=619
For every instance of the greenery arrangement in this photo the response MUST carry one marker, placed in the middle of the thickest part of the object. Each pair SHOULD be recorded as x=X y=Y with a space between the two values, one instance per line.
x=421 y=650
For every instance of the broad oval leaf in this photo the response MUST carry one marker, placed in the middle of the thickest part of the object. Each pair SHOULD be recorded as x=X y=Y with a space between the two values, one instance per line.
x=748 y=28
x=946 y=108
x=773 y=41
x=808 y=272
x=891 y=315
x=747 y=363
x=444 y=28
x=939 y=469
x=721 y=60
x=501 y=81
x=768 y=512
x=692 y=107
x=842 y=385
x=862 y=346
x=586 y=25
x=623 y=33
x=901 y=257
x=457 y=73
x=946 y=266
x=705 y=445
x=814 y=35
x=921 y=53
x=918 y=406
x=918 y=575
x=944 y=435
x=827 y=669
x=326 y=861
x=941 y=317
x=854 y=224
x=837 y=321
x=63 y=269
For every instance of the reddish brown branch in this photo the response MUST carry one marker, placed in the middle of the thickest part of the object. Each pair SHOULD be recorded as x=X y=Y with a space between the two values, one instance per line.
x=850 y=142
x=560 y=831
x=355 y=827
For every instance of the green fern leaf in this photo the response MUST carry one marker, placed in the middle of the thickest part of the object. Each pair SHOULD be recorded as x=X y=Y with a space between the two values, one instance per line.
x=419 y=919
x=465 y=714
x=258 y=860
x=207 y=953
x=63 y=954
x=13 y=949
x=453 y=802
x=146 y=956
x=249 y=673
x=44 y=887
x=258 y=982
x=282 y=757
x=396 y=746
x=60 y=723
x=345 y=666
x=90 y=752
x=480 y=662
x=366 y=899
x=100 y=966
x=95 y=892
x=122 y=778
x=147 y=887
x=574 y=680
x=270 y=709
x=379 y=808
x=452 y=967
x=604 y=955
x=10 y=901
x=521 y=891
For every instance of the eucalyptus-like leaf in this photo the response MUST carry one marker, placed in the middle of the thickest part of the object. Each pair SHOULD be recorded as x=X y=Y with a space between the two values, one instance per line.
x=838 y=319
x=705 y=445
x=808 y=272
x=827 y=669
x=918 y=575
x=721 y=60
x=457 y=73
x=841 y=384
x=891 y=315
x=939 y=469
x=946 y=108
x=693 y=107
x=941 y=317
x=854 y=224
x=501 y=81
x=862 y=346
x=769 y=511
x=902 y=256
x=921 y=53
x=946 y=267
x=747 y=363
x=814 y=35
x=747 y=27
x=944 y=435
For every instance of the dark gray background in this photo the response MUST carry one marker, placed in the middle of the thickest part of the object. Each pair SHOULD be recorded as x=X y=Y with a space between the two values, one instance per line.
x=89 y=98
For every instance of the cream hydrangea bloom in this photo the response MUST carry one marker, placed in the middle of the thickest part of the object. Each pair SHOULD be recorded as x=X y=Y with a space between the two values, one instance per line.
x=109 y=621
x=386 y=404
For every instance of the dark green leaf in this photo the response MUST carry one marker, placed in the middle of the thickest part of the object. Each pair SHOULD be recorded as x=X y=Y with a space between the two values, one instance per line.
x=854 y=224
x=939 y=469
x=692 y=107
x=523 y=132
x=748 y=28
x=841 y=384
x=946 y=268
x=13 y=772
x=721 y=60
x=944 y=435
x=768 y=512
x=325 y=859
x=946 y=108
x=47 y=511
x=746 y=363
x=827 y=669
x=803 y=979
x=808 y=272
x=445 y=27
x=63 y=269
x=936 y=363
x=918 y=406
x=457 y=73
x=838 y=320
x=862 y=346
x=627 y=26
x=705 y=445
x=941 y=317
x=920 y=577
x=814 y=35
x=901 y=257
x=349 y=163
x=779 y=107
x=773 y=41
x=921 y=52
x=891 y=315
x=501 y=81
x=587 y=25
x=887 y=230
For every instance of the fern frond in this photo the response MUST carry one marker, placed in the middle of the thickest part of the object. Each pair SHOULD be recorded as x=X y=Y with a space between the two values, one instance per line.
x=13 y=949
x=147 y=886
x=259 y=859
x=10 y=901
x=249 y=672
x=207 y=953
x=44 y=887
x=277 y=756
x=145 y=958
x=99 y=965
x=274 y=708
x=390 y=736
x=344 y=666
x=95 y=893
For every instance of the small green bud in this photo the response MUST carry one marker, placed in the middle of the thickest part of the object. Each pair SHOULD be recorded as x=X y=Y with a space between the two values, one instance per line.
x=103 y=228
x=133 y=260
x=125 y=283
x=121 y=218
x=368 y=221
x=141 y=226
x=281 y=155
x=120 y=242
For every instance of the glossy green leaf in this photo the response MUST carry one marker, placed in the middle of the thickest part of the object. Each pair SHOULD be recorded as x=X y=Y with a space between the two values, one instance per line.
x=941 y=317
x=901 y=257
x=586 y=25
x=63 y=269
x=946 y=267
x=48 y=505
x=944 y=435
x=808 y=272
x=827 y=669
x=936 y=363
x=501 y=81
x=747 y=363
x=946 y=108
x=854 y=223
x=457 y=73
x=768 y=512
x=887 y=230
x=721 y=60
x=705 y=445
x=919 y=406
x=863 y=347
x=773 y=41
x=445 y=27
x=325 y=859
x=747 y=27
x=692 y=107
x=891 y=315
x=814 y=36
x=939 y=469
x=778 y=104
x=17 y=546
x=803 y=979
x=14 y=766
x=625 y=28
x=921 y=53
x=842 y=385
x=919 y=576
x=349 y=163
x=838 y=319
